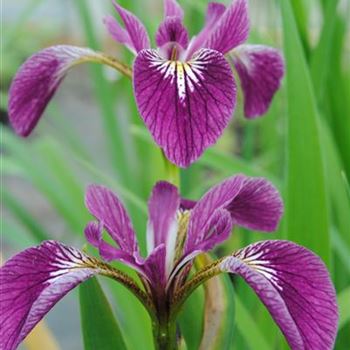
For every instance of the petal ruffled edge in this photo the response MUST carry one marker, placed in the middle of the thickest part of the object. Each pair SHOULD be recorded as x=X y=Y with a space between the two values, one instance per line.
x=261 y=70
x=32 y=282
x=295 y=286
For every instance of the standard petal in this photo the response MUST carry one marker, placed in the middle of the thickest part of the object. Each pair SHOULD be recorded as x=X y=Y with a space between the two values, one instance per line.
x=232 y=28
x=295 y=286
x=32 y=282
x=185 y=105
x=38 y=79
x=154 y=268
x=214 y=11
x=118 y=33
x=162 y=225
x=205 y=210
x=136 y=31
x=172 y=31
x=172 y=8
x=261 y=70
x=162 y=206
x=257 y=206
x=106 y=207
x=93 y=233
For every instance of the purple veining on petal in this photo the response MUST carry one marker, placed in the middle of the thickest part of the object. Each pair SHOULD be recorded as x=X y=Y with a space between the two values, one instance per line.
x=162 y=225
x=154 y=267
x=214 y=11
x=216 y=231
x=36 y=82
x=172 y=8
x=232 y=28
x=215 y=199
x=106 y=207
x=32 y=282
x=93 y=233
x=172 y=31
x=258 y=205
x=118 y=33
x=261 y=70
x=185 y=105
x=295 y=286
x=163 y=206
x=135 y=29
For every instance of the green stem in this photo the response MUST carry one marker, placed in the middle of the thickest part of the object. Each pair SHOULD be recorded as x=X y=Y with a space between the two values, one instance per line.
x=172 y=172
x=164 y=334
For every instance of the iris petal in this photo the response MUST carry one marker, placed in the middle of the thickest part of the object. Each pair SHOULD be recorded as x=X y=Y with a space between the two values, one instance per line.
x=172 y=8
x=185 y=105
x=172 y=31
x=38 y=79
x=119 y=34
x=203 y=212
x=136 y=31
x=32 y=282
x=232 y=28
x=260 y=69
x=295 y=286
x=107 y=208
x=252 y=202
x=214 y=12
x=258 y=205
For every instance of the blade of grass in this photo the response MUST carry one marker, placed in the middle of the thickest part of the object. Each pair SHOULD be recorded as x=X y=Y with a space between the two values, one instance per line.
x=37 y=232
x=300 y=14
x=113 y=130
x=99 y=326
x=306 y=204
x=248 y=328
x=321 y=57
x=344 y=307
x=38 y=173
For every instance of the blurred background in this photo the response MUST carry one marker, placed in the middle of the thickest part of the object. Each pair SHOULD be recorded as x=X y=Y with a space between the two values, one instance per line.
x=91 y=132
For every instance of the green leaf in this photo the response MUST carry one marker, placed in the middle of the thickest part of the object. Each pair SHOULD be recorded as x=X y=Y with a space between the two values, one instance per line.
x=24 y=216
x=114 y=129
x=344 y=307
x=306 y=204
x=99 y=326
x=190 y=319
x=218 y=326
x=248 y=328
x=321 y=65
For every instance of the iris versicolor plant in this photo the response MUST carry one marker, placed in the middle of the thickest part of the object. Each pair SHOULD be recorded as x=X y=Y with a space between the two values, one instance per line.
x=185 y=90
x=290 y=280
x=186 y=93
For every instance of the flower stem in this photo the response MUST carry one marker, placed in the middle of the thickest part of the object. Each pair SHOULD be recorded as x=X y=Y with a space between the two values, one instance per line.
x=164 y=334
x=172 y=172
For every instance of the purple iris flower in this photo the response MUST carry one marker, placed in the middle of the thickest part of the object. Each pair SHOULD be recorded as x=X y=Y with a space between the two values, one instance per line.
x=290 y=280
x=185 y=89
